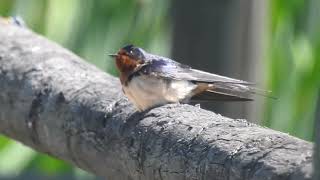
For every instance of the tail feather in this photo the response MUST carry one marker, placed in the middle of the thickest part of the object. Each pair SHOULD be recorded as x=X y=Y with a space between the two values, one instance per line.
x=208 y=96
x=262 y=92
x=227 y=92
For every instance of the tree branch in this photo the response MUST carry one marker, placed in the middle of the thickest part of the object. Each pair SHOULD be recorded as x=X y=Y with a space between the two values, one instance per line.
x=58 y=104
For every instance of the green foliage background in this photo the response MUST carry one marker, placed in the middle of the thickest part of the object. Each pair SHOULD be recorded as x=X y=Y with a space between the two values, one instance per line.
x=294 y=66
x=92 y=29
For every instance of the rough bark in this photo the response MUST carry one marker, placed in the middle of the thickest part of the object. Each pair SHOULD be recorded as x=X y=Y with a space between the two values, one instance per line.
x=58 y=104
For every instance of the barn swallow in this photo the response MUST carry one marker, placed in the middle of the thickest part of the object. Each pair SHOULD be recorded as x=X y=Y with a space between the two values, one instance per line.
x=150 y=80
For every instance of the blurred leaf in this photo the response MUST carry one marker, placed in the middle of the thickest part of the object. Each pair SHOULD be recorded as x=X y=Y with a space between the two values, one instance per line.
x=48 y=165
x=60 y=18
x=14 y=158
x=51 y=165
x=302 y=55
x=293 y=67
x=4 y=141
x=5 y=7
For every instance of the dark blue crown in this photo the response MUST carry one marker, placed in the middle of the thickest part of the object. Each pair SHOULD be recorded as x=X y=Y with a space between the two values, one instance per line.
x=128 y=48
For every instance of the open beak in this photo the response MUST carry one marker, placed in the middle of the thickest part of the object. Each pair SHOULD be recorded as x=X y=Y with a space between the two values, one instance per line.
x=113 y=55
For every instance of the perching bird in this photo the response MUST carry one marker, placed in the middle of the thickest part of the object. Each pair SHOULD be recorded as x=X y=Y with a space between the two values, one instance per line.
x=149 y=80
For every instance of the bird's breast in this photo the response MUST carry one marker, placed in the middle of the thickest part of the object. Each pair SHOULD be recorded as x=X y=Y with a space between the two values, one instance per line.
x=148 y=91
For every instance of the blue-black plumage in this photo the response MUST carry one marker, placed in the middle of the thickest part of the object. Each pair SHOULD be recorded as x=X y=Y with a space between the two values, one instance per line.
x=150 y=80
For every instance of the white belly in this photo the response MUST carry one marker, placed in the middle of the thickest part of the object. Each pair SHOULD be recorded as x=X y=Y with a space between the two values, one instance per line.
x=145 y=92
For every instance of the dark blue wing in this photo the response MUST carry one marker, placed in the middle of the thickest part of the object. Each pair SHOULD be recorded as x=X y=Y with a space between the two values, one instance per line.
x=223 y=87
x=167 y=68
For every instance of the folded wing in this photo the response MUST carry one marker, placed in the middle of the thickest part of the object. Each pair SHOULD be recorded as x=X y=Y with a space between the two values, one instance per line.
x=213 y=87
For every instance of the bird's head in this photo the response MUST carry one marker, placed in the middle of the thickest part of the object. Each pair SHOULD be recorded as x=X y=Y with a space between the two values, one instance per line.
x=128 y=58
